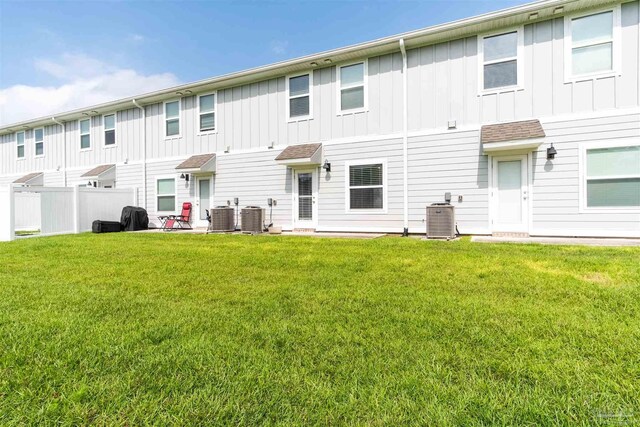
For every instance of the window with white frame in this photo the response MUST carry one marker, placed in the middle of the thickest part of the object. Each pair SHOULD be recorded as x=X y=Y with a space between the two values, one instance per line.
x=500 y=57
x=38 y=137
x=299 y=102
x=172 y=118
x=366 y=186
x=85 y=134
x=207 y=112
x=109 y=122
x=166 y=195
x=591 y=43
x=20 y=144
x=612 y=177
x=352 y=86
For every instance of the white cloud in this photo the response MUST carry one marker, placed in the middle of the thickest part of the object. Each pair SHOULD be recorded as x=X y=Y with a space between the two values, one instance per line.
x=136 y=38
x=279 y=47
x=85 y=81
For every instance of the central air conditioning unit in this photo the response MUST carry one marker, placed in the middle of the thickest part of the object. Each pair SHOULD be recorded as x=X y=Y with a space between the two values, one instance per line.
x=222 y=219
x=252 y=219
x=441 y=221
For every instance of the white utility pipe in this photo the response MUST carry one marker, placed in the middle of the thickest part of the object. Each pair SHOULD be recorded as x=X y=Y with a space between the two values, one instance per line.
x=144 y=152
x=405 y=138
x=64 y=150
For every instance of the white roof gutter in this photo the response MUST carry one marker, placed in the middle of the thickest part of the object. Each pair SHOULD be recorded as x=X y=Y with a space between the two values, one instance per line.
x=143 y=112
x=64 y=146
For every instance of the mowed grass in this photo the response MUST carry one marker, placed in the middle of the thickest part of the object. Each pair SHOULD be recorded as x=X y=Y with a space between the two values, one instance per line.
x=169 y=329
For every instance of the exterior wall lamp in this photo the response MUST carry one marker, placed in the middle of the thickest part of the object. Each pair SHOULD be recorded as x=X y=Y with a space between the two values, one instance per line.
x=185 y=176
x=326 y=166
x=551 y=152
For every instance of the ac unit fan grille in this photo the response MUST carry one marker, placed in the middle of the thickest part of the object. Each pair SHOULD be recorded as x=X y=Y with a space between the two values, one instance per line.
x=252 y=220
x=222 y=219
x=441 y=222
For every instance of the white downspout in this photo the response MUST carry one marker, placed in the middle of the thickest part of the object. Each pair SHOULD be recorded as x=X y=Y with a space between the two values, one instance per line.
x=405 y=139
x=64 y=151
x=144 y=153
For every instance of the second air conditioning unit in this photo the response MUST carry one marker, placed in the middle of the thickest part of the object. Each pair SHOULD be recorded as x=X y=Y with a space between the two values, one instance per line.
x=222 y=219
x=252 y=219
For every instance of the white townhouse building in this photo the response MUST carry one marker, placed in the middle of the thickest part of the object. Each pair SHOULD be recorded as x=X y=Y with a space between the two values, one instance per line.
x=529 y=117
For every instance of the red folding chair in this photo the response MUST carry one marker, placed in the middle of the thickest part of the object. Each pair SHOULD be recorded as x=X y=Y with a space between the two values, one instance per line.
x=177 y=222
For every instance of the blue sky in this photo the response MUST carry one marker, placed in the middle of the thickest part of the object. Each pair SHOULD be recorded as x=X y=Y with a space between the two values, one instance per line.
x=56 y=56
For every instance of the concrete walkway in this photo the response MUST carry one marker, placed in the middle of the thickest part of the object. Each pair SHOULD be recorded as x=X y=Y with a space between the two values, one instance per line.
x=559 y=240
x=284 y=233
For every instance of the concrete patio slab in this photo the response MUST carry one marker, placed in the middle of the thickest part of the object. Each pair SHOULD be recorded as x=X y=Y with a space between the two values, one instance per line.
x=328 y=234
x=558 y=240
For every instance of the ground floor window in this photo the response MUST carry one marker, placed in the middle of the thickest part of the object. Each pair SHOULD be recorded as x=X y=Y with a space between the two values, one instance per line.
x=366 y=186
x=166 y=194
x=613 y=177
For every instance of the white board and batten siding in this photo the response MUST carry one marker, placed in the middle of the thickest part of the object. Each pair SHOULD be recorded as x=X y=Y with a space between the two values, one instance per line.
x=443 y=80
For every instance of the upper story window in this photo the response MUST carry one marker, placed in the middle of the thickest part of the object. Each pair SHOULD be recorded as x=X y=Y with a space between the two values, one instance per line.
x=85 y=134
x=109 y=122
x=20 y=144
x=366 y=186
x=612 y=177
x=38 y=137
x=207 y=112
x=299 y=97
x=352 y=87
x=172 y=118
x=591 y=44
x=501 y=60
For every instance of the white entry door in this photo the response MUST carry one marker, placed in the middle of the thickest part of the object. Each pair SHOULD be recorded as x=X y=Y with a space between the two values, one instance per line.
x=203 y=201
x=510 y=194
x=305 y=209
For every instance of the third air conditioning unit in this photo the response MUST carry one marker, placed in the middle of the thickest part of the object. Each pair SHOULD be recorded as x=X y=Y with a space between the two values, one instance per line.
x=441 y=221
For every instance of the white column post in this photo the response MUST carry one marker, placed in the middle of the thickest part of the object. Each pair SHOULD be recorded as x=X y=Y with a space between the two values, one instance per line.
x=7 y=214
x=76 y=209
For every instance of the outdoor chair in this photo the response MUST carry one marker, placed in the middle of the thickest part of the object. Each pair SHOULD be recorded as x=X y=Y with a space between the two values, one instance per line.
x=177 y=222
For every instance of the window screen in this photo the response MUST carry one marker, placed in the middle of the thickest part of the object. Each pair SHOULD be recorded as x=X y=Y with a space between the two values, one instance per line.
x=299 y=96
x=500 y=68
x=207 y=112
x=85 y=137
x=20 y=144
x=39 y=140
x=592 y=43
x=172 y=118
x=110 y=129
x=366 y=187
x=613 y=177
x=352 y=89
x=166 y=188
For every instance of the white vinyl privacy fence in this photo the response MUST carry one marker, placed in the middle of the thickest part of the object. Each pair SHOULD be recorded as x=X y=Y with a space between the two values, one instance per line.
x=59 y=210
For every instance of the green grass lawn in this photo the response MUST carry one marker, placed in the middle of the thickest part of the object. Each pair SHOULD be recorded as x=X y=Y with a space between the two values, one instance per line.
x=130 y=329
